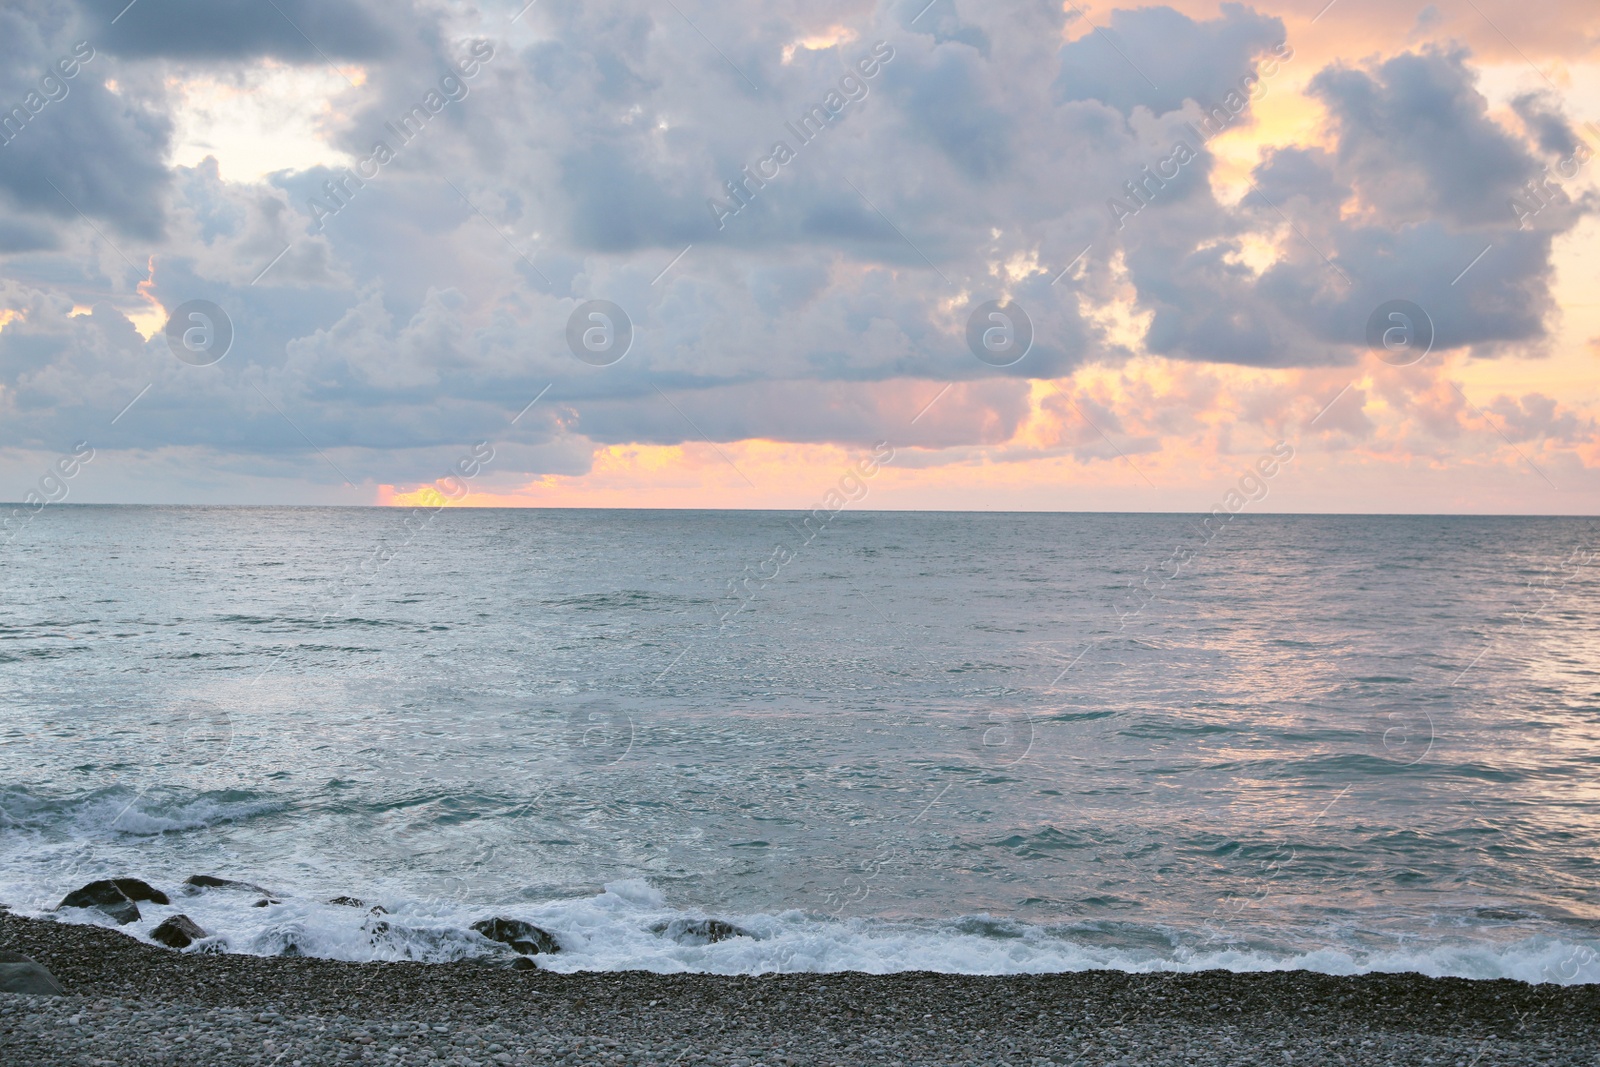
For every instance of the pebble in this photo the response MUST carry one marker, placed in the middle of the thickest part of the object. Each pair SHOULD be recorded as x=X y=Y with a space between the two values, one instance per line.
x=130 y=1003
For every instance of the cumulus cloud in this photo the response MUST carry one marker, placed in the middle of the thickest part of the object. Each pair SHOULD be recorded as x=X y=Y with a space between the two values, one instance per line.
x=1158 y=58
x=933 y=158
x=71 y=145
x=1404 y=131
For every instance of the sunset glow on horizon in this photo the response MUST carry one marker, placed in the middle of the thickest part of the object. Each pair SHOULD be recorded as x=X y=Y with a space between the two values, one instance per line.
x=1198 y=249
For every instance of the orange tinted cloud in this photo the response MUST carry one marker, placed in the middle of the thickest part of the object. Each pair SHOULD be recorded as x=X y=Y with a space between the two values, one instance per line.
x=1552 y=31
x=1153 y=433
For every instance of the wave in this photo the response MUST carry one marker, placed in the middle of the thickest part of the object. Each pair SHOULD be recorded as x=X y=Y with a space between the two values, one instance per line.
x=122 y=810
x=618 y=599
x=630 y=926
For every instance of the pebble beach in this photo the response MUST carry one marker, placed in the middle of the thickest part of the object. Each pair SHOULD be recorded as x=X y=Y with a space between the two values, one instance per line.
x=129 y=1002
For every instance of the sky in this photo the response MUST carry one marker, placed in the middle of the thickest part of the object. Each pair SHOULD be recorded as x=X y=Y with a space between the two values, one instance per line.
x=1293 y=256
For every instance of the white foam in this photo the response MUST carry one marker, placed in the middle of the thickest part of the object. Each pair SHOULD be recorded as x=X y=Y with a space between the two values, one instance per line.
x=612 y=931
x=140 y=814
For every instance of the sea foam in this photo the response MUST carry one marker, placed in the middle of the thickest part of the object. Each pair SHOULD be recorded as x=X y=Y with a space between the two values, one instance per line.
x=618 y=929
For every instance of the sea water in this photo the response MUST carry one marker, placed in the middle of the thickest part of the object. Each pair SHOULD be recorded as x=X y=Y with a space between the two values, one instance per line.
x=983 y=743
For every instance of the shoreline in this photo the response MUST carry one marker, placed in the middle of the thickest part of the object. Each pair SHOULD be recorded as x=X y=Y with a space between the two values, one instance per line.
x=130 y=1002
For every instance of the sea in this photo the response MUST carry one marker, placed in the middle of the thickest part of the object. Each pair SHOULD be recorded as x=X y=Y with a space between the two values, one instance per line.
x=893 y=741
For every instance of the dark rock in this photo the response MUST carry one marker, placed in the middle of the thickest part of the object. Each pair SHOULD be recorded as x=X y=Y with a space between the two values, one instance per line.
x=180 y=931
x=357 y=902
x=136 y=890
x=379 y=930
x=523 y=963
x=699 y=931
x=94 y=895
x=287 y=939
x=111 y=890
x=524 y=937
x=125 y=912
x=108 y=897
x=207 y=881
x=265 y=903
x=23 y=974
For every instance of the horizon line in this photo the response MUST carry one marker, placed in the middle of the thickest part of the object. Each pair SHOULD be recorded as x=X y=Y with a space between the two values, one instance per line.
x=840 y=512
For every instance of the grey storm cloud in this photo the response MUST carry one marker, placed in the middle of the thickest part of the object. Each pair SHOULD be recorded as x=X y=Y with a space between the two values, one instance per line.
x=1157 y=58
x=1405 y=133
x=1541 y=116
x=950 y=103
x=1416 y=138
x=292 y=30
x=67 y=143
x=583 y=159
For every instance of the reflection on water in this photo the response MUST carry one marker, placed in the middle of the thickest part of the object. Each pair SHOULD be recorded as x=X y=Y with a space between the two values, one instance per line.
x=1328 y=731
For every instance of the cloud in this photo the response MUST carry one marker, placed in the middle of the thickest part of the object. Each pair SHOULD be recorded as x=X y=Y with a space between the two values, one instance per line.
x=386 y=320
x=1158 y=58
x=1535 y=417
x=1390 y=209
x=70 y=144
x=1541 y=116
x=1407 y=131
x=946 y=102
x=302 y=31
x=983 y=413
